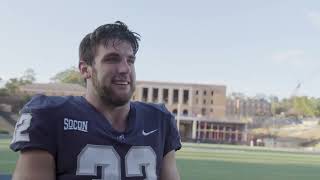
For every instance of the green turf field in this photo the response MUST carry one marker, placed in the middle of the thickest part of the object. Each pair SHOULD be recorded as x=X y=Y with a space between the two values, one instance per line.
x=7 y=157
x=209 y=162
x=223 y=162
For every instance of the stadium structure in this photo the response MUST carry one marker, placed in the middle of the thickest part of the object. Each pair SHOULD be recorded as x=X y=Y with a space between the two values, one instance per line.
x=200 y=109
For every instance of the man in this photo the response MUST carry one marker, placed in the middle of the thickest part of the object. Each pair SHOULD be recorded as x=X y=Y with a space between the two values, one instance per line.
x=102 y=135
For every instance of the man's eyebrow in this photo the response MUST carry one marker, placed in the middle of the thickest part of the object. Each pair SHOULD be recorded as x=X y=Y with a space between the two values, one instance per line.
x=111 y=54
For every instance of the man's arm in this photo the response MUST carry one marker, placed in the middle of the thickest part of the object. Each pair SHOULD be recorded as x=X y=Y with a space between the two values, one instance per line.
x=35 y=165
x=169 y=169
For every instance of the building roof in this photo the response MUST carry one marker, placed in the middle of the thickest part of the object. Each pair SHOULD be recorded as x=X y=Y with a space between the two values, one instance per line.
x=54 y=87
x=181 y=84
x=185 y=85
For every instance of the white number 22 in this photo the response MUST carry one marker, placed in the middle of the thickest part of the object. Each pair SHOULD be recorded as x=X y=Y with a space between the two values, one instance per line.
x=93 y=156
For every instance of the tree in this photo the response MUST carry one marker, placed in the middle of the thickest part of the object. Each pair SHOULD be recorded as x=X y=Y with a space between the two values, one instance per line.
x=273 y=99
x=13 y=84
x=317 y=105
x=279 y=110
x=298 y=106
x=3 y=91
x=281 y=107
x=71 y=75
x=28 y=76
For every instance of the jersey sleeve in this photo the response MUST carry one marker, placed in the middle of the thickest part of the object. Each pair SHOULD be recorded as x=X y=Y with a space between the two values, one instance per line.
x=172 y=141
x=35 y=128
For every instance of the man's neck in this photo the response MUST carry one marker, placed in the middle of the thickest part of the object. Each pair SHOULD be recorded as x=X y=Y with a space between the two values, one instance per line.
x=116 y=115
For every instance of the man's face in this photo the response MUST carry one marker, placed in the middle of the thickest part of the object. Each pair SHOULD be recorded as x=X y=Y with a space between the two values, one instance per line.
x=113 y=73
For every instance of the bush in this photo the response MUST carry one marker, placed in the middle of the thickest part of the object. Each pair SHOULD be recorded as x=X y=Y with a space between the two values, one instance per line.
x=3 y=131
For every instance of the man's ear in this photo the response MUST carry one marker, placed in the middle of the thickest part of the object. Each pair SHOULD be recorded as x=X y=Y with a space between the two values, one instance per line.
x=85 y=70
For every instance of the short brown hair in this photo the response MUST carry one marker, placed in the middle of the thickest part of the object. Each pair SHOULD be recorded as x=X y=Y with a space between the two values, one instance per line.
x=102 y=35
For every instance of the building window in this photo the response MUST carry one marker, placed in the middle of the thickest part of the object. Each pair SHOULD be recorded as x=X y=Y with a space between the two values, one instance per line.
x=204 y=101
x=185 y=96
x=197 y=92
x=204 y=93
x=145 y=94
x=175 y=96
x=212 y=92
x=211 y=101
x=203 y=111
x=211 y=110
x=155 y=92
x=175 y=112
x=165 y=93
x=185 y=112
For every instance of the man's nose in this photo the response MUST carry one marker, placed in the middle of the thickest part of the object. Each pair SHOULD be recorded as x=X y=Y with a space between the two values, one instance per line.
x=124 y=66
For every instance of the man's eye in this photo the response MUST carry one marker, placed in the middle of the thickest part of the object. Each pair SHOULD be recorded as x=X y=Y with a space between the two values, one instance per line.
x=131 y=61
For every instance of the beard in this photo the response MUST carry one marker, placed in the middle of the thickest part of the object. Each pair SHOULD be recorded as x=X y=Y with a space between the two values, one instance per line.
x=108 y=95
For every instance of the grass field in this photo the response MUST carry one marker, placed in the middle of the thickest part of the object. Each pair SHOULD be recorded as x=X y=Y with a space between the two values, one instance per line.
x=223 y=162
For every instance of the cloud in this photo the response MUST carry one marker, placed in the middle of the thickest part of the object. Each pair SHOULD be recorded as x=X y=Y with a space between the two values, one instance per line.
x=314 y=18
x=290 y=57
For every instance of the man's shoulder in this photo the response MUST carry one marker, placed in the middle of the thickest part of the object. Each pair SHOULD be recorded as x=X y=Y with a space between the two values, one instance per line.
x=152 y=107
x=43 y=102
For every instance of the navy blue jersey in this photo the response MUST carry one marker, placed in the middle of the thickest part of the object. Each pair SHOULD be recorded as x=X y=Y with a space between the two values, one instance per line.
x=84 y=144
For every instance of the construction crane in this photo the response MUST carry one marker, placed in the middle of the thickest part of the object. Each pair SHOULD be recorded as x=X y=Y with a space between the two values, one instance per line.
x=296 y=102
x=296 y=90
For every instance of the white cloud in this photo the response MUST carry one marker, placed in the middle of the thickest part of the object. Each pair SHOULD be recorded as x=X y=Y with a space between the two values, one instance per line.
x=314 y=18
x=290 y=57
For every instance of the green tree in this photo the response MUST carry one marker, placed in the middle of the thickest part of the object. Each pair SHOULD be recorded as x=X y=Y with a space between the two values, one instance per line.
x=317 y=105
x=298 y=106
x=305 y=106
x=71 y=75
x=13 y=84
x=301 y=105
x=281 y=107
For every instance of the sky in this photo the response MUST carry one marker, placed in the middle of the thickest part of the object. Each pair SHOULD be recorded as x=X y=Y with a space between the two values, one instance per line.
x=250 y=46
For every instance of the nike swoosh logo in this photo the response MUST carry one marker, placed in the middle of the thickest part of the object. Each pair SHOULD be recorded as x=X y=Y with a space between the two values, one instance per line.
x=148 y=133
